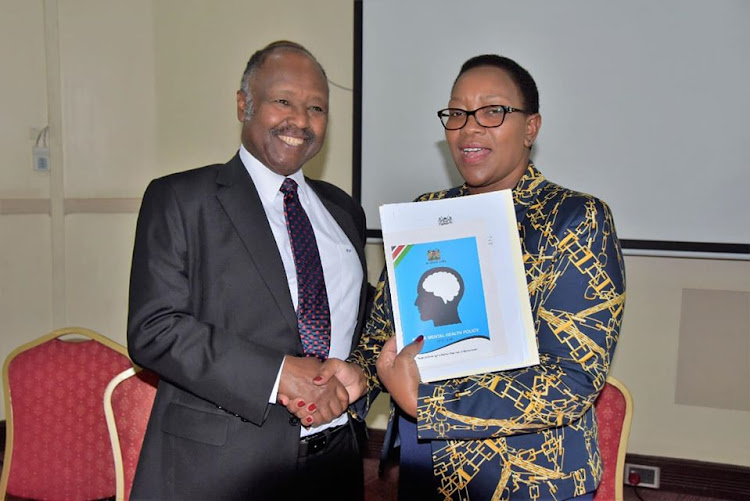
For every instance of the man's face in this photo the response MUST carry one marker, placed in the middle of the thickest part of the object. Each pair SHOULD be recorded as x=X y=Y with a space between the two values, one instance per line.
x=287 y=123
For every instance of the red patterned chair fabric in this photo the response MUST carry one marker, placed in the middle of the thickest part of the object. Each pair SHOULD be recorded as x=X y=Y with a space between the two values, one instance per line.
x=614 y=411
x=57 y=444
x=127 y=404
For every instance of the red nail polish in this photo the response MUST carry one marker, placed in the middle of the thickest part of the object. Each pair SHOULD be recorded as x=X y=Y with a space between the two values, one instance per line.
x=311 y=407
x=300 y=404
x=308 y=420
x=419 y=338
x=318 y=378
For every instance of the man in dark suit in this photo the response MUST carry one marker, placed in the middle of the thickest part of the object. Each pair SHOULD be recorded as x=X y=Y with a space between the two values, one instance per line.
x=215 y=294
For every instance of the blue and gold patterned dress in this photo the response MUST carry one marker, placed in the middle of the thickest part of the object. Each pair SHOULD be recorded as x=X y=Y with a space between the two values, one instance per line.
x=528 y=433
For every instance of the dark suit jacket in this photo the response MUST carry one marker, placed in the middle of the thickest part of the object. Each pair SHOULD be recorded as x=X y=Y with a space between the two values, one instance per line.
x=211 y=313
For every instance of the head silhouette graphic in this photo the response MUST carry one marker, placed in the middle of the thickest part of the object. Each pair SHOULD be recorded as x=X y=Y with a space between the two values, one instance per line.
x=438 y=293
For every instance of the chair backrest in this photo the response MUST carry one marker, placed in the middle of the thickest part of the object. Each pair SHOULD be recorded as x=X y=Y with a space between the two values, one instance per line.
x=127 y=405
x=614 y=411
x=57 y=444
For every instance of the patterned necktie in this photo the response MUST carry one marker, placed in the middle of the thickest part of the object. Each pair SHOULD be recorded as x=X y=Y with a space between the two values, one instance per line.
x=313 y=314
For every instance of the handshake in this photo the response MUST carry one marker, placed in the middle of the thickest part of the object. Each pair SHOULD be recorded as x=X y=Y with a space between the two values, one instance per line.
x=317 y=393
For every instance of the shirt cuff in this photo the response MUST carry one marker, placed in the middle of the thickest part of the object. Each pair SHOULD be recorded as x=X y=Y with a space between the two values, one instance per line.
x=275 y=390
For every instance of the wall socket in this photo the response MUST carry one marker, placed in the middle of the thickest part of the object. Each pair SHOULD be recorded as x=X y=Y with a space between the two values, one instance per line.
x=649 y=475
x=41 y=158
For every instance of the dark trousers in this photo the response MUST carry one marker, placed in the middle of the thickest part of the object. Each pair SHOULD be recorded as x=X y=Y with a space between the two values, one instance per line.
x=332 y=472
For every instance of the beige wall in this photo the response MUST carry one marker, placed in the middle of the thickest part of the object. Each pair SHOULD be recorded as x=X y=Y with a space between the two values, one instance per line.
x=137 y=88
x=648 y=355
x=25 y=224
x=131 y=89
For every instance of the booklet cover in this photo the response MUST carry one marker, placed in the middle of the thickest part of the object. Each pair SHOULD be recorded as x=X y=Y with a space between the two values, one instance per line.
x=457 y=278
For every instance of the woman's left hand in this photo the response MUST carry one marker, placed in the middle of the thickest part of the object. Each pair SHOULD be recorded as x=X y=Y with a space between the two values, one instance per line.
x=399 y=373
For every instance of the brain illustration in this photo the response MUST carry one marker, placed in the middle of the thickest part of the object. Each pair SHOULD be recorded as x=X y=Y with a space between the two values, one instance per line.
x=443 y=285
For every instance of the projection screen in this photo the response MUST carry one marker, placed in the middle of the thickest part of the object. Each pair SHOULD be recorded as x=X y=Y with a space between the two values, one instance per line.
x=644 y=104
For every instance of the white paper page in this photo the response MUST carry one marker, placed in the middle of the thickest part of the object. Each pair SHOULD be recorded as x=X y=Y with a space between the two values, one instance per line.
x=457 y=278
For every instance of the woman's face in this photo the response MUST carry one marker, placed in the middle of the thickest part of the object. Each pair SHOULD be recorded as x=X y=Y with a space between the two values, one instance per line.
x=491 y=159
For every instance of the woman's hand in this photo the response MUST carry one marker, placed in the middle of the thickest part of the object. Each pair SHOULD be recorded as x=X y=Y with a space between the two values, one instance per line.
x=399 y=373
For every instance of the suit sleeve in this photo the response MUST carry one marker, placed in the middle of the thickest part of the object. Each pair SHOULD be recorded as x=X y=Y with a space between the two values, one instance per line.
x=164 y=330
x=577 y=291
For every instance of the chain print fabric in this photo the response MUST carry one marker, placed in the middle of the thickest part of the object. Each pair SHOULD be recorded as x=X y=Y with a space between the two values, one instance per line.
x=529 y=433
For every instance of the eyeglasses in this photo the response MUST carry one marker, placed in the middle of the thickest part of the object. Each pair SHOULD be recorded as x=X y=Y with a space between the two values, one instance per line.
x=486 y=116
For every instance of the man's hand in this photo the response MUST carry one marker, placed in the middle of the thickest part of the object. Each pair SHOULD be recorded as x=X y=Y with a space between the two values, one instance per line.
x=313 y=404
x=350 y=375
x=399 y=373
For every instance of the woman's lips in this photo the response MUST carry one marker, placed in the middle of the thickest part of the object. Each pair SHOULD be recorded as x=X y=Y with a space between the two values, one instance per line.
x=474 y=154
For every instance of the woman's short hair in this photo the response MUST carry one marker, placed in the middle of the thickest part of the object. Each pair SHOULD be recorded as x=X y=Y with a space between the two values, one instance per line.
x=522 y=78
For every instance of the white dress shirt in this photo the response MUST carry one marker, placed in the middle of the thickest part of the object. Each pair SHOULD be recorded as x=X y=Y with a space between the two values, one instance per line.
x=341 y=266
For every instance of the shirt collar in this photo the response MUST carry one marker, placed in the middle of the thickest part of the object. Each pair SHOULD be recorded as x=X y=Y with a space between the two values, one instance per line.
x=266 y=181
x=528 y=186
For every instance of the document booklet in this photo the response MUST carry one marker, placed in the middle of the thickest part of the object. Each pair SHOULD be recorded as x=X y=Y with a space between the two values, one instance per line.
x=457 y=278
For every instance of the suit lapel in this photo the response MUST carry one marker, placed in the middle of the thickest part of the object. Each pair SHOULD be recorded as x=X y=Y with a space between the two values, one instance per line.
x=241 y=202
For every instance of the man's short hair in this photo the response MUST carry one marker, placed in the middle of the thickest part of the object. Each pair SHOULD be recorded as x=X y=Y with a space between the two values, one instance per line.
x=260 y=56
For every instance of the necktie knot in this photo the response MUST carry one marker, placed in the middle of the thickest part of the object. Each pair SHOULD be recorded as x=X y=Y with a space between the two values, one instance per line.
x=288 y=187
